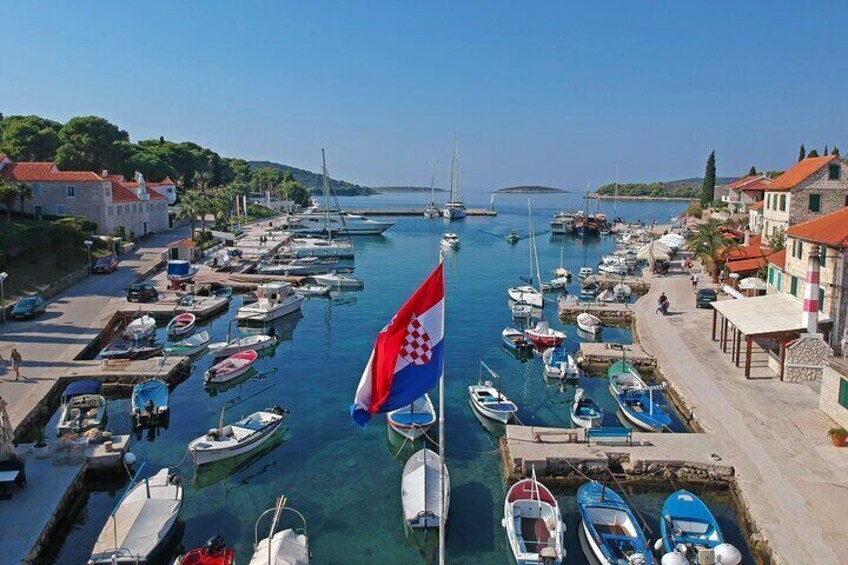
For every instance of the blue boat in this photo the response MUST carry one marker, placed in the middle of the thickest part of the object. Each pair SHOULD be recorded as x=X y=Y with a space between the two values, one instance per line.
x=150 y=403
x=585 y=412
x=640 y=403
x=691 y=534
x=609 y=526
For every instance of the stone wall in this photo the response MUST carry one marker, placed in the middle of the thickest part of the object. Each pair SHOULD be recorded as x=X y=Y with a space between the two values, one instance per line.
x=89 y=199
x=805 y=358
x=833 y=193
x=835 y=370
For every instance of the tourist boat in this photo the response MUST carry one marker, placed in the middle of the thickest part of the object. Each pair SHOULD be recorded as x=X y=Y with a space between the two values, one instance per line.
x=83 y=408
x=533 y=523
x=213 y=552
x=421 y=489
x=191 y=345
x=590 y=324
x=252 y=342
x=563 y=223
x=590 y=290
x=690 y=534
x=142 y=520
x=140 y=328
x=515 y=341
x=313 y=290
x=181 y=271
x=489 y=401
x=512 y=237
x=274 y=300
x=585 y=272
x=236 y=439
x=286 y=547
x=609 y=527
x=181 y=324
x=585 y=412
x=621 y=291
x=454 y=208
x=606 y=296
x=542 y=335
x=231 y=368
x=559 y=364
x=150 y=402
x=636 y=399
x=414 y=420
x=338 y=280
x=450 y=241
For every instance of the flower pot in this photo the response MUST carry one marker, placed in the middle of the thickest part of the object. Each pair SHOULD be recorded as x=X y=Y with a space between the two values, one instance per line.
x=41 y=452
x=838 y=441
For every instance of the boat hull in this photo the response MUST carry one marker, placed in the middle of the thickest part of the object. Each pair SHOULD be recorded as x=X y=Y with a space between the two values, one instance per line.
x=205 y=457
x=497 y=416
x=250 y=314
x=633 y=417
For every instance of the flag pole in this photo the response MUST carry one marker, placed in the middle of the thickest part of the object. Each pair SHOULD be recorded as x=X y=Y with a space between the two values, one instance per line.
x=442 y=517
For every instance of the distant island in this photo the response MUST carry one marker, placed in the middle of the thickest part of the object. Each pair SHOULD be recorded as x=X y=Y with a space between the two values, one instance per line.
x=314 y=181
x=382 y=189
x=530 y=190
x=681 y=189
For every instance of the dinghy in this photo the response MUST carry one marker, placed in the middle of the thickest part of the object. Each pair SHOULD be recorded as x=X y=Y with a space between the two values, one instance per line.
x=140 y=328
x=585 y=272
x=414 y=420
x=253 y=342
x=590 y=324
x=150 y=402
x=338 y=280
x=533 y=524
x=181 y=324
x=622 y=291
x=559 y=364
x=286 y=547
x=231 y=368
x=610 y=528
x=690 y=534
x=638 y=402
x=213 y=552
x=141 y=521
x=489 y=401
x=83 y=408
x=606 y=296
x=585 y=412
x=191 y=345
x=235 y=439
x=450 y=241
x=515 y=341
x=420 y=490
x=590 y=290
x=543 y=336
x=313 y=290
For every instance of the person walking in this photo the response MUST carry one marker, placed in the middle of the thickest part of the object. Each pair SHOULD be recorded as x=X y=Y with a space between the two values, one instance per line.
x=661 y=304
x=694 y=281
x=16 y=359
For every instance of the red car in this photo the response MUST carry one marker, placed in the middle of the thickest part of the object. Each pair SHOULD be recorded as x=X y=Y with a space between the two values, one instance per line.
x=105 y=265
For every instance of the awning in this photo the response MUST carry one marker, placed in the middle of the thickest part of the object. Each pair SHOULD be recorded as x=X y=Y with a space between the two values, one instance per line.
x=752 y=283
x=760 y=315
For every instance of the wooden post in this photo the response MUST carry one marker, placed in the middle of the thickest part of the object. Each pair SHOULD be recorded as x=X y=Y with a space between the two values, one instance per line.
x=732 y=343
x=724 y=333
x=738 y=347
x=782 y=357
x=747 y=357
x=715 y=319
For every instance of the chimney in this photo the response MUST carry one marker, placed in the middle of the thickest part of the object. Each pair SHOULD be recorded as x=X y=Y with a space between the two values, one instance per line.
x=104 y=173
x=747 y=240
x=810 y=317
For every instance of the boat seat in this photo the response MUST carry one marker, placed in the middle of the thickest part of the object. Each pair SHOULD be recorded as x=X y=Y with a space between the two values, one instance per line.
x=74 y=414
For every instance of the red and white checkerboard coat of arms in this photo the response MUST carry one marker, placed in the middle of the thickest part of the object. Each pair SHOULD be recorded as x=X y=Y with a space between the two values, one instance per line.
x=417 y=348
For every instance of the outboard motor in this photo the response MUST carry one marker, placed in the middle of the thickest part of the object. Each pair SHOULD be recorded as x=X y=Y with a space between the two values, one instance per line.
x=216 y=544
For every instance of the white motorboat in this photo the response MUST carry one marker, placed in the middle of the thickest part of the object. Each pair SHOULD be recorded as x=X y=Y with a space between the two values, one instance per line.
x=606 y=296
x=231 y=368
x=557 y=283
x=559 y=364
x=286 y=547
x=313 y=290
x=315 y=221
x=613 y=269
x=140 y=328
x=236 y=439
x=338 y=280
x=589 y=323
x=253 y=342
x=181 y=324
x=533 y=524
x=274 y=300
x=585 y=412
x=310 y=246
x=585 y=272
x=191 y=345
x=142 y=520
x=421 y=488
x=489 y=401
x=527 y=294
x=414 y=420
x=523 y=311
x=622 y=291
x=450 y=240
x=454 y=208
x=83 y=408
x=562 y=272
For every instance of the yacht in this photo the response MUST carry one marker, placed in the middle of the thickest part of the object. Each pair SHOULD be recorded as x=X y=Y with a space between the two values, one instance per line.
x=311 y=246
x=454 y=208
x=274 y=300
x=314 y=221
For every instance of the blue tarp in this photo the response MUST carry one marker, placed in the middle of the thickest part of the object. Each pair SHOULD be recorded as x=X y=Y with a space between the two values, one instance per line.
x=78 y=388
x=178 y=267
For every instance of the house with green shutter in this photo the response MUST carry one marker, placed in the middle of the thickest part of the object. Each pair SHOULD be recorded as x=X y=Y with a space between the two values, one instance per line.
x=834 y=390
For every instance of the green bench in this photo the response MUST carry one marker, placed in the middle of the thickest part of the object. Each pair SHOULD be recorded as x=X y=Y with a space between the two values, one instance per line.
x=624 y=434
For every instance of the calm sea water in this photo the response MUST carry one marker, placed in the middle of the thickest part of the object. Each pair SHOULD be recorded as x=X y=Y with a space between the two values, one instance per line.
x=347 y=481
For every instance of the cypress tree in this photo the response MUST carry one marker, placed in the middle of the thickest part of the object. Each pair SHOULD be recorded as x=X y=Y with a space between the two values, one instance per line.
x=752 y=171
x=825 y=150
x=708 y=189
x=813 y=153
x=802 y=154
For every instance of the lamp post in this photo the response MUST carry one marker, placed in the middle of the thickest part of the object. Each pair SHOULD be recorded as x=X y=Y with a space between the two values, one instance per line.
x=88 y=243
x=3 y=277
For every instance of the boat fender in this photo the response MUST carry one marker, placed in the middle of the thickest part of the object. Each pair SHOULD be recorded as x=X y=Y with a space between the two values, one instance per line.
x=175 y=479
x=726 y=554
x=674 y=558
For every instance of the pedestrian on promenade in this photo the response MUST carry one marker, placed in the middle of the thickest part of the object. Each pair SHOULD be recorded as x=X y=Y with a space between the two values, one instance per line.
x=16 y=358
x=662 y=304
x=694 y=281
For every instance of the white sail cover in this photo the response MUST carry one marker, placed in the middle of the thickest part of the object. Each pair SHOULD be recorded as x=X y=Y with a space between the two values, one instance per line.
x=287 y=548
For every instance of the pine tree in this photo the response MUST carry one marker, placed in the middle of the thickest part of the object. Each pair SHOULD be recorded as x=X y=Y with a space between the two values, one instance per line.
x=708 y=189
x=802 y=154
x=835 y=151
x=752 y=171
x=813 y=153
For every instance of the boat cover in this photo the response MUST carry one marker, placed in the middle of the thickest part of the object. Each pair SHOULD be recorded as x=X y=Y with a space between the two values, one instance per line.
x=137 y=528
x=78 y=388
x=153 y=389
x=287 y=548
x=421 y=485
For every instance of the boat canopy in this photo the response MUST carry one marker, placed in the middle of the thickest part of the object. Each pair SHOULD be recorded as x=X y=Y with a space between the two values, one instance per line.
x=78 y=388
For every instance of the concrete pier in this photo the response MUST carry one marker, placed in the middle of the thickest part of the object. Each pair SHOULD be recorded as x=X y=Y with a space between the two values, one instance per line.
x=616 y=313
x=638 y=285
x=601 y=355
x=419 y=212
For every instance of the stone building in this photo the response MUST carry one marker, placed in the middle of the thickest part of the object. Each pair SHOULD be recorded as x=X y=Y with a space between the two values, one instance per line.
x=755 y=217
x=813 y=187
x=743 y=192
x=834 y=390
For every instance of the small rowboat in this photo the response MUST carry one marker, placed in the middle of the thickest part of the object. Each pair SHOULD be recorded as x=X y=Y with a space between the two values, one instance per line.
x=235 y=439
x=515 y=341
x=533 y=523
x=543 y=336
x=691 y=535
x=489 y=401
x=140 y=328
x=590 y=324
x=232 y=367
x=414 y=420
x=190 y=345
x=181 y=324
x=150 y=402
x=610 y=529
x=255 y=342
x=585 y=412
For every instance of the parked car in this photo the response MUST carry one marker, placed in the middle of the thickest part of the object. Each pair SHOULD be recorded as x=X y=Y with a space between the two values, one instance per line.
x=29 y=307
x=105 y=265
x=143 y=292
x=705 y=298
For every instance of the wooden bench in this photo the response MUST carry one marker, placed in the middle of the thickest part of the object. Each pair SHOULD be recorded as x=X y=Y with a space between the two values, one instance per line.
x=610 y=434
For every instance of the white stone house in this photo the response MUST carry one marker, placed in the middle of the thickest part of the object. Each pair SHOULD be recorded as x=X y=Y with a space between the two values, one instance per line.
x=742 y=193
x=834 y=390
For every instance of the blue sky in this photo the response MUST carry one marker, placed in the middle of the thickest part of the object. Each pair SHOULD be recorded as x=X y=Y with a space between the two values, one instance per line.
x=557 y=93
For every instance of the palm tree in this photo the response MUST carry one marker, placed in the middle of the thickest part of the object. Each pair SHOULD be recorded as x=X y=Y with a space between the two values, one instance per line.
x=204 y=206
x=711 y=245
x=222 y=204
x=190 y=209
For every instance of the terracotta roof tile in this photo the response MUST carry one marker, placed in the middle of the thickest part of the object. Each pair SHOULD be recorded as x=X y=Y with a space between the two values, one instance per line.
x=778 y=258
x=120 y=193
x=746 y=265
x=757 y=205
x=830 y=229
x=754 y=249
x=799 y=173
x=45 y=172
x=751 y=180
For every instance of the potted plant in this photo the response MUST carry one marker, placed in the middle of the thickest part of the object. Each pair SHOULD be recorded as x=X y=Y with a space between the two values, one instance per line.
x=40 y=446
x=838 y=436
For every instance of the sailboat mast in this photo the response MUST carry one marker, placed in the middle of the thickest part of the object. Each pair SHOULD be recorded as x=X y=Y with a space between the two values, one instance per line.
x=615 y=199
x=442 y=517
x=325 y=189
x=535 y=256
x=432 y=185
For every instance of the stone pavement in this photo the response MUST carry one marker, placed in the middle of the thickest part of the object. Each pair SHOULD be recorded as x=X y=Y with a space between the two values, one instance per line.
x=792 y=480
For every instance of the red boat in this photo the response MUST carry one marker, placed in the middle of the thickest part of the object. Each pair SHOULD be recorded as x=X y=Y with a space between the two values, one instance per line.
x=543 y=336
x=215 y=552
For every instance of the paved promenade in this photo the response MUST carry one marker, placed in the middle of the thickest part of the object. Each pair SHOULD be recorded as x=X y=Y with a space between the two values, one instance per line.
x=792 y=479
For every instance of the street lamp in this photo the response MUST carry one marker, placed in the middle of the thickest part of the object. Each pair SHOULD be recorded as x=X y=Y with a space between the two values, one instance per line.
x=3 y=277
x=88 y=243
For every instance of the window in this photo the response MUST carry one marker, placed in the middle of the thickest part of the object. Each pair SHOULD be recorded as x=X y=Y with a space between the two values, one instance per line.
x=71 y=192
x=815 y=203
x=771 y=275
x=833 y=172
x=36 y=190
x=110 y=210
x=38 y=212
x=793 y=286
x=118 y=208
x=61 y=209
x=779 y=285
x=846 y=200
x=768 y=201
x=797 y=248
x=821 y=299
x=823 y=257
x=843 y=393
x=783 y=203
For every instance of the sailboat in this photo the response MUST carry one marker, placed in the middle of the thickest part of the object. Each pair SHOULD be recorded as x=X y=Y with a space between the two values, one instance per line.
x=528 y=294
x=454 y=208
x=432 y=211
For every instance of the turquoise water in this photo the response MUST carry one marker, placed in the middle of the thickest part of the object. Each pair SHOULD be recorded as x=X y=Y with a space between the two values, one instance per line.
x=346 y=481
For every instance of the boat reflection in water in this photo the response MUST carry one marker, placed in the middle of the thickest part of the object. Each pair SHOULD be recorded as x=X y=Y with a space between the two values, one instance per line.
x=208 y=475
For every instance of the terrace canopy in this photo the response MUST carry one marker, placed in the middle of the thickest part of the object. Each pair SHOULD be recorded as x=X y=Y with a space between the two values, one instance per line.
x=774 y=316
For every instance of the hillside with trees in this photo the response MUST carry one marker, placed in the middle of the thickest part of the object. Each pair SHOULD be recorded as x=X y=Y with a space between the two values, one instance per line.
x=314 y=181
x=682 y=188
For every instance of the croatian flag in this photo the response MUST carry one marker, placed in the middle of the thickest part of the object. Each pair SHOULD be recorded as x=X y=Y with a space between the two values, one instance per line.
x=408 y=356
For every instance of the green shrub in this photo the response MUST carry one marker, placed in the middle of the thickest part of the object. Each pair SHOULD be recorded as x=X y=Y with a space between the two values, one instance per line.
x=80 y=223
